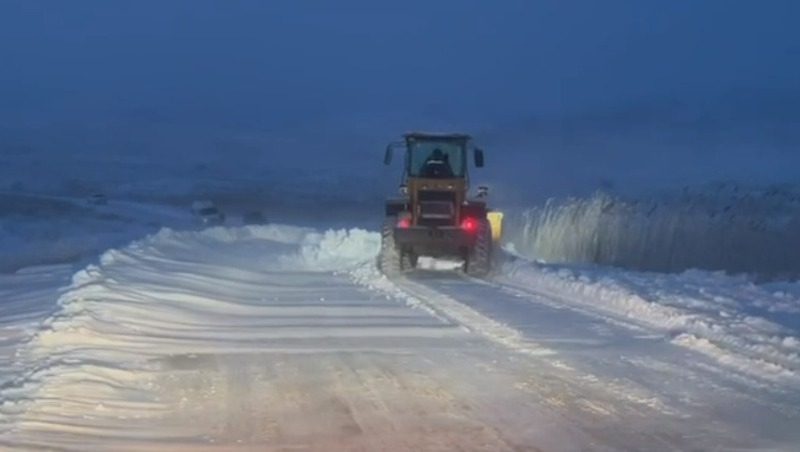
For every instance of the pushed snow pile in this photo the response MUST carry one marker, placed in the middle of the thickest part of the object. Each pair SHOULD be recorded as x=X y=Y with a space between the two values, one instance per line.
x=752 y=329
x=335 y=250
x=719 y=228
x=271 y=247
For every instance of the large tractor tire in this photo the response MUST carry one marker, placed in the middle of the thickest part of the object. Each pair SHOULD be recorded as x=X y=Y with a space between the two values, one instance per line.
x=393 y=260
x=479 y=260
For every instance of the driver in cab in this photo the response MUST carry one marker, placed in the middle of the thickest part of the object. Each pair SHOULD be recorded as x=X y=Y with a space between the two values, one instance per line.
x=437 y=165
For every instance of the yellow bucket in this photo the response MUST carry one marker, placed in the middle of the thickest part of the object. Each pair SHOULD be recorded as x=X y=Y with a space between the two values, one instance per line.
x=496 y=220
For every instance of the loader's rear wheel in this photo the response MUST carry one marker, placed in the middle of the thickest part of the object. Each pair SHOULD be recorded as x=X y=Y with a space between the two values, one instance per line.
x=479 y=259
x=392 y=259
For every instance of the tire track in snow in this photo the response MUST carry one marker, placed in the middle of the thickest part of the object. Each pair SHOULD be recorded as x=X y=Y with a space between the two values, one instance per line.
x=623 y=360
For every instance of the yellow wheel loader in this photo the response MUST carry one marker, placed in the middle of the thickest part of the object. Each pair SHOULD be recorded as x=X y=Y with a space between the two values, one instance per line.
x=434 y=215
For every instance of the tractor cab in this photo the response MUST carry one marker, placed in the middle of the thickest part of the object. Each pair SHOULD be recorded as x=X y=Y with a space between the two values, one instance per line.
x=435 y=156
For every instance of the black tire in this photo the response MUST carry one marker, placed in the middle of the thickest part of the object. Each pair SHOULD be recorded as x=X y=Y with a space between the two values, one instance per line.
x=407 y=261
x=393 y=260
x=479 y=259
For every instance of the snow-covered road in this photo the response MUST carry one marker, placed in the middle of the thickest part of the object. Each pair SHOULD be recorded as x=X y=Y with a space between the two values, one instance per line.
x=284 y=338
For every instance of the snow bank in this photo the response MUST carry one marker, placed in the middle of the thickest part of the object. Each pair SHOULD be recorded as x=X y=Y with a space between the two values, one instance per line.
x=27 y=297
x=723 y=227
x=95 y=301
x=271 y=247
x=754 y=330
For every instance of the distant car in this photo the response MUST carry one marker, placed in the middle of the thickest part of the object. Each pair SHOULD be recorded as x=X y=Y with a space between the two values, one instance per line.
x=97 y=199
x=207 y=213
x=253 y=217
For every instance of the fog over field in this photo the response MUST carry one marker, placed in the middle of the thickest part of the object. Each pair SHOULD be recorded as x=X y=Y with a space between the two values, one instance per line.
x=628 y=95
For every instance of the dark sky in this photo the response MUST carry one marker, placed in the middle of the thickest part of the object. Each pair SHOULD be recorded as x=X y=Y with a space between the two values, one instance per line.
x=275 y=58
x=296 y=64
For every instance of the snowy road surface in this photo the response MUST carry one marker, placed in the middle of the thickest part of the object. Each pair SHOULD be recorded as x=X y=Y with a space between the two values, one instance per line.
x=282 y=338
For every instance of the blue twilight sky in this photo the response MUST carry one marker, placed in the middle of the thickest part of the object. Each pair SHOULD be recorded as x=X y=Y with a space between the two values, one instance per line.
x=384 y=66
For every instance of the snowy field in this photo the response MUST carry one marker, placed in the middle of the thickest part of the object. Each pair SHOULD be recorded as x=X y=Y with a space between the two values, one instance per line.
x=286 y=337
x=45 y=229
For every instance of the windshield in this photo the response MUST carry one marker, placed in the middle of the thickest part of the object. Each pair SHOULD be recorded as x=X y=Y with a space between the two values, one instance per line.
x=436 y=159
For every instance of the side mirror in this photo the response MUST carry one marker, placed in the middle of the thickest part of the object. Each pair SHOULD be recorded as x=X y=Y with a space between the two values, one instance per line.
x=478 y=158
x=387 y=158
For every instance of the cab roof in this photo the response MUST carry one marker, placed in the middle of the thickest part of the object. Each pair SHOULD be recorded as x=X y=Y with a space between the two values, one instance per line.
x=437 y=136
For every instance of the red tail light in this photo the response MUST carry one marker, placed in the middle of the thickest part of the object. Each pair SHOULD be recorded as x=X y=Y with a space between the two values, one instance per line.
x=469 y=224
x=404 y=223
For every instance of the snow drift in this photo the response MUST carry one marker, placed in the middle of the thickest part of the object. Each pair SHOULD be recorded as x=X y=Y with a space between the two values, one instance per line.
x=26 y=300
